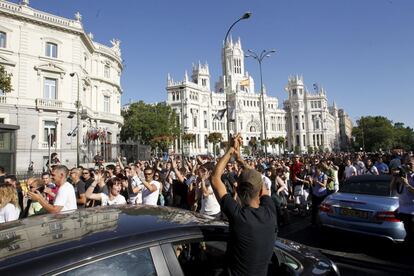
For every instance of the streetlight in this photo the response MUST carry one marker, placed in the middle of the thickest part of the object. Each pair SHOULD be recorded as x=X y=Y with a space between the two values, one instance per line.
x=244 y=16
x=259 y=58
x=77 y=119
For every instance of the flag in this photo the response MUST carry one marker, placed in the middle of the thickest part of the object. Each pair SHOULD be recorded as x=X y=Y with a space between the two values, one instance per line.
x=245 y=82
x=220 y=114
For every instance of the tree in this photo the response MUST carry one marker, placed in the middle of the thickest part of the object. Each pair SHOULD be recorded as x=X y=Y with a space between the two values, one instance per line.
x=403 y=137
x=214 y=138
x=377 y=132
x=161 y=142
x=253 y=145
x=281 y=142
x=144 y=122
x=5 y=80
x=189 y=138
x=273 y=142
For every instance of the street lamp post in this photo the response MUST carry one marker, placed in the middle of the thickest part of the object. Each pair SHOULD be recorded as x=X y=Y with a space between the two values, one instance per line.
x=259 y=58
x=244 y=16
x=77 y=119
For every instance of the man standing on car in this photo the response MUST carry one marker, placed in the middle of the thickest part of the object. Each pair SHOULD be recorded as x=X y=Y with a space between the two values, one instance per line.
x=252 y=224
x=65 y=199
x=403 y=183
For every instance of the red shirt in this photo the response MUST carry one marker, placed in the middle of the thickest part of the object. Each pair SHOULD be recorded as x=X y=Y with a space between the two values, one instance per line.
x=295 y=170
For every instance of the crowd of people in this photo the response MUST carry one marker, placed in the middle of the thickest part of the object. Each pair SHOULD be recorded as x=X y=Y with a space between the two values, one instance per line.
x=304 y=181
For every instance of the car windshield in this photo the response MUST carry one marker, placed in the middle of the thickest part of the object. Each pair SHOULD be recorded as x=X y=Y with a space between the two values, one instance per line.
x=377 y=188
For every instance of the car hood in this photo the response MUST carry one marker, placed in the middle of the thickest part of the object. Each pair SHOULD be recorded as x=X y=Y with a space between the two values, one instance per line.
x=312 y=260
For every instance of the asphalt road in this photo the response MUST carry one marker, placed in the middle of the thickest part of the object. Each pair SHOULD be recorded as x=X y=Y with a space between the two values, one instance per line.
x=354 y=254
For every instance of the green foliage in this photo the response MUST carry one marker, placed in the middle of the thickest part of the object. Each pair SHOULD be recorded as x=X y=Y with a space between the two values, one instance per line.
x=189 y=137
x=161 y=142
x=377 y=132
x=264 y=142
x=144 y=122
x=310 y=150
x=246 y=151
x=214 y=137
x=5 y=80
x=296 y=150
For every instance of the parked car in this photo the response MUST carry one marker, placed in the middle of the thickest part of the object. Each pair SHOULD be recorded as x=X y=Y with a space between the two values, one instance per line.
x=364 y=204
x=134 y=240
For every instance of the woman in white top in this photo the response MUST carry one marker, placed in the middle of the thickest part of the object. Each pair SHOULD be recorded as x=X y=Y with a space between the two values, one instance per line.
x=209 y=203
x=113 y=198
x=9 y=204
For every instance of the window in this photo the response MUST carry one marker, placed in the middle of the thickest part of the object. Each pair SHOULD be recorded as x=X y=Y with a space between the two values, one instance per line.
x=128 y=263
x=203 y=82
x=1 y=120
x=3 y=40
x=50 y=89
x=107 y=71
x=51 y=50
x=205 y=141
x=195 y=121
x=49 y=132
x=294 y=91
x=107 y=104
x=205 y=119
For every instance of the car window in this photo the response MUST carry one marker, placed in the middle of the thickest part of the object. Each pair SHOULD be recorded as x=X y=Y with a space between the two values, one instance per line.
x=201 y=258
x=128 y=263
x=208 y=258
x=377 y=188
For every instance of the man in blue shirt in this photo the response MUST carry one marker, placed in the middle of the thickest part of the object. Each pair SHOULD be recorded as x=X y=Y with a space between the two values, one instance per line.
x=381 y=166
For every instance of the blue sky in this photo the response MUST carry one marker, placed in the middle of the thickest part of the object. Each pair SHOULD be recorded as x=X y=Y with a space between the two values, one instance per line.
x=360 y=51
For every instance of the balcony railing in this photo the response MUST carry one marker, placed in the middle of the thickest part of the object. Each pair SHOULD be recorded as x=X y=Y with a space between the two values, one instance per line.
x=48 y=104
x=45 y=145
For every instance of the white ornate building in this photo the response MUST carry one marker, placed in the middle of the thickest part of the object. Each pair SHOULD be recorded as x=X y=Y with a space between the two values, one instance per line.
x=305 y=120
x=41 y=51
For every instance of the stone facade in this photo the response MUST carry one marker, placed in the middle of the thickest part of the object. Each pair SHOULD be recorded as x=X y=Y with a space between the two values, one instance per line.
x=305 y=120
x=42 y=51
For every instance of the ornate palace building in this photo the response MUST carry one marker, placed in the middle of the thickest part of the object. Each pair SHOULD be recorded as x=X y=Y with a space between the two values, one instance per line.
x=304 y=120
x=54 y=63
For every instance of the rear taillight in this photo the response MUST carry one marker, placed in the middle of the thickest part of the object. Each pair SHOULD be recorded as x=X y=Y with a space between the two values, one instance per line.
x=386 y=216
x=326 y=208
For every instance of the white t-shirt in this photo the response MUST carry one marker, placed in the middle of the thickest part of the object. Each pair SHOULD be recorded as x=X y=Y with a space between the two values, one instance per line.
x=149 y=198
x=136 y=198
x=66 y=197
x=9 y=213
x=373 y=171
x=209 y=204
x=268 y=183
x=349 y=171
x=119 y=199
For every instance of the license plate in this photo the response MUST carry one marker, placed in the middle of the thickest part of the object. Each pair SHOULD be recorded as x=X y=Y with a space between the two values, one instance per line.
x=347 y=212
